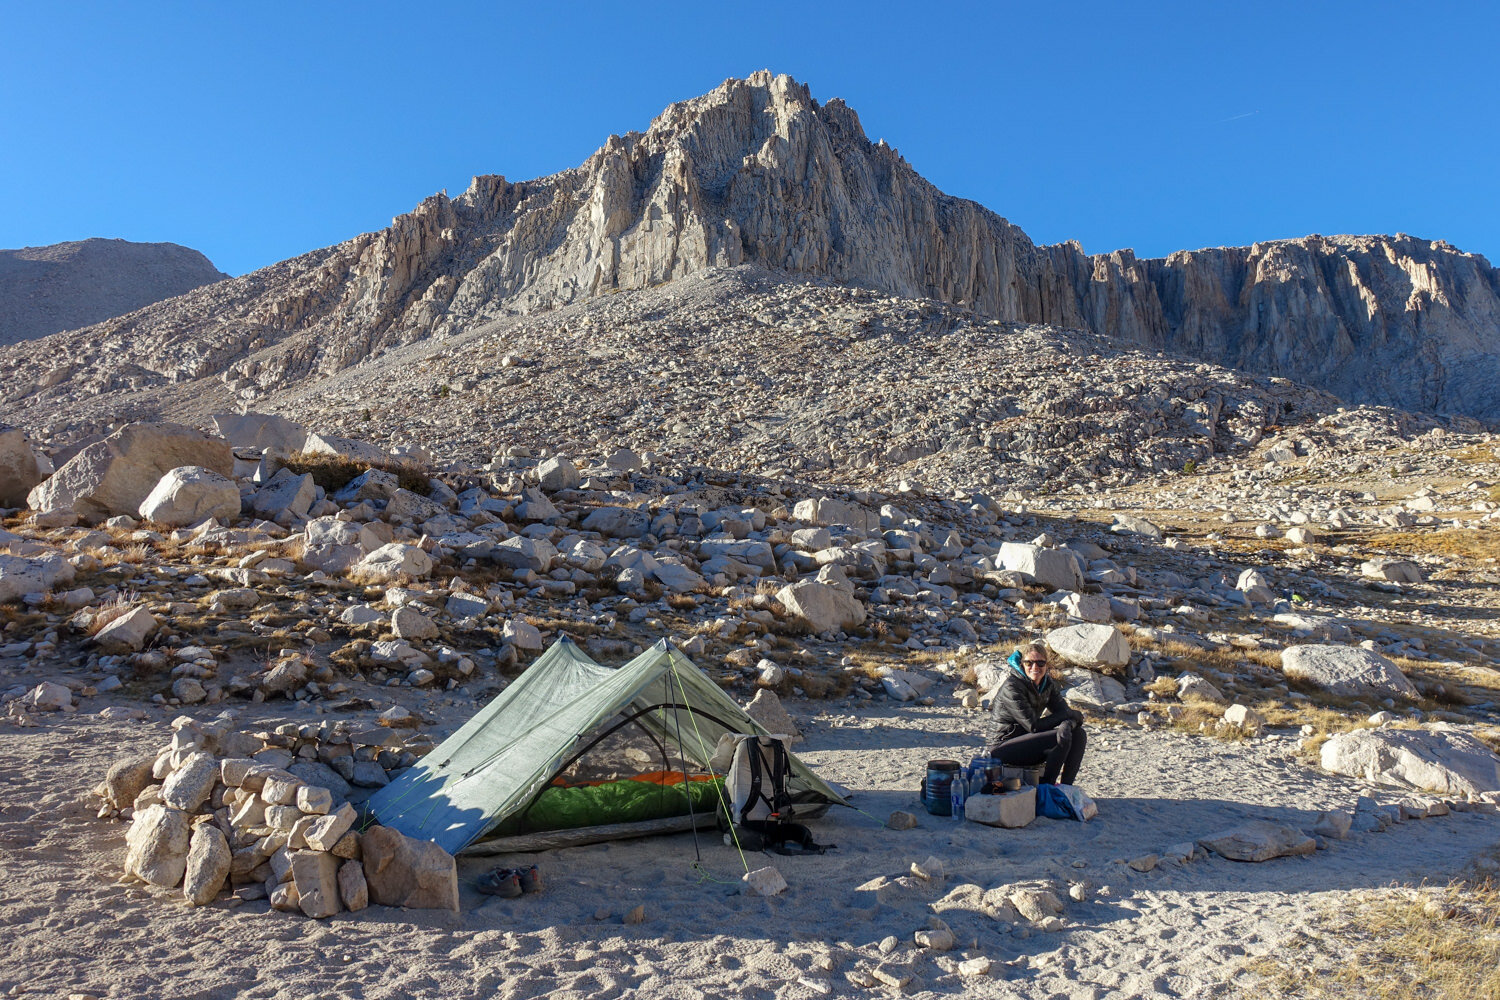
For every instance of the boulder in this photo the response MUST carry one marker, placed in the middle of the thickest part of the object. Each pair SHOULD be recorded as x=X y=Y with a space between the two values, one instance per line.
x=523 y=635
x=1391 y=570
x=557 y=473
x=328 y=830
x=467 y=606
x=190 y=784
x=1088 y=607
x=404 y=505
x=285 y=493
x=350 y=449
x=126 y=634
x=534 y=506
x=49 y=696
x=113 y=476
x=1347 y=670
x=263 y=431
x=618 y=522
x=372 y=484
x=392 y=562
x=19 y=471
x=208 y=860
x=20 y=575
x=1439 y=759
x=1256 y=588
x=1243 y=717
x=156 y=845
x=1127 y=524
x=1333 y=824
x=828 y=511
x=409 y=623
x=766 y=709
x=191 y=494
x=821 y=607
x=1301 y=534
x=811 y=539
x=623 y=460
x=354 y=891
x=126 y=779
x=402 y=871
x=1088 y=645
x=519 y=552
x=316 y=876
x=1053 y=568
x=1191 y=687
x=1259 y=840
x=1090 y=690
x=677 y=578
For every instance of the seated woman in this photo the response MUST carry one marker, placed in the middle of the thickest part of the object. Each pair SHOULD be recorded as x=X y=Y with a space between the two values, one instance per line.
x=1032 y=723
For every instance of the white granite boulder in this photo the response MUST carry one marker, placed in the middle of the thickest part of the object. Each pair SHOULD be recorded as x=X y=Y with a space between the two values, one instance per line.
x=207 y=865
x=191 y=494
x=113 y=476
x=557 y=473
x=156 y=845
x=19 y=471
x=1054 y=568
x=820 y=607
x=1391 y=570
x=350 y=449
x=827 y=511
x=1347 y=670
x=1097 y=647
x=392 y=562
x=1259 y=840
x=127 y=633
x=1438 y=759
x=285 y=494
x=1090 y=690
x=20 y=575
x=265 y=431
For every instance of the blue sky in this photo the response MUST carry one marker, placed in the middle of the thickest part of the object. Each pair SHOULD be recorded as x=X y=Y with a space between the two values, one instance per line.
x=254 y=132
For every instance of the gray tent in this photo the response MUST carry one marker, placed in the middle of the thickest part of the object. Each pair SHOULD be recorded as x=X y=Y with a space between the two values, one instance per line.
x=567 y=715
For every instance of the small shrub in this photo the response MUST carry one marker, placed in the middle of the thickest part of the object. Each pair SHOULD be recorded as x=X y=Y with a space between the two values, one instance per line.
x=333 y=473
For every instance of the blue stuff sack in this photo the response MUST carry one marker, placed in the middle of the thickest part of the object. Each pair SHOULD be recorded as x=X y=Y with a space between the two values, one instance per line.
x=1065 y=802
x=1050 y=801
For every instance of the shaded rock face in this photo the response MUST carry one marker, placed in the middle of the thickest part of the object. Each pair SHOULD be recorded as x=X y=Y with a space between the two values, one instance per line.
x=68 y=285
x=757 y=171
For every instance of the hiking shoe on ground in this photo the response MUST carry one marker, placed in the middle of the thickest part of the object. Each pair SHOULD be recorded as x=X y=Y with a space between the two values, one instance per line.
x=502 y=882
x=530 y=878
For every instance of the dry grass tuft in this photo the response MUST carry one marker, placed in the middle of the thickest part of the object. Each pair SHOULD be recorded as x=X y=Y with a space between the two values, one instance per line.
x=1431 y=943
x=1469 y=543
x=334 y=473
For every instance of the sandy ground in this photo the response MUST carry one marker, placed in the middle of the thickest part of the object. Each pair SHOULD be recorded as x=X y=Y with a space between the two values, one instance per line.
x=1174 y=932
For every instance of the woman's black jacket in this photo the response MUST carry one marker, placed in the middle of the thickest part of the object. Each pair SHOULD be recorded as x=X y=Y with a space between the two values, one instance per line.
x=1021 y=707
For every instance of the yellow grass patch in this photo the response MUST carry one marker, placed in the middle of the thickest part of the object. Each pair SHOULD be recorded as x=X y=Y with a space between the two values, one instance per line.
x=1469 y=543
x=1394 y=944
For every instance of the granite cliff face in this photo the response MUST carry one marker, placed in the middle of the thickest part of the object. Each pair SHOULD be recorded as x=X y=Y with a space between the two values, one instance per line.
x=759 y=172
x=64 y=286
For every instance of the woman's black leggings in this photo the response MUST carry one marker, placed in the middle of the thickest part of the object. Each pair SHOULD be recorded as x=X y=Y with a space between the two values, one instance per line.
x=1061 y=749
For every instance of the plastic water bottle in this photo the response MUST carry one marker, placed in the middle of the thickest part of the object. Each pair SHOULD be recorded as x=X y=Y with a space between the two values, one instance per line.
x=959 y=790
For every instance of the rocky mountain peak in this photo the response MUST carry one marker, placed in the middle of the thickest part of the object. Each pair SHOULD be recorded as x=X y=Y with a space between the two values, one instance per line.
x=64 y=286
x=758 y=172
